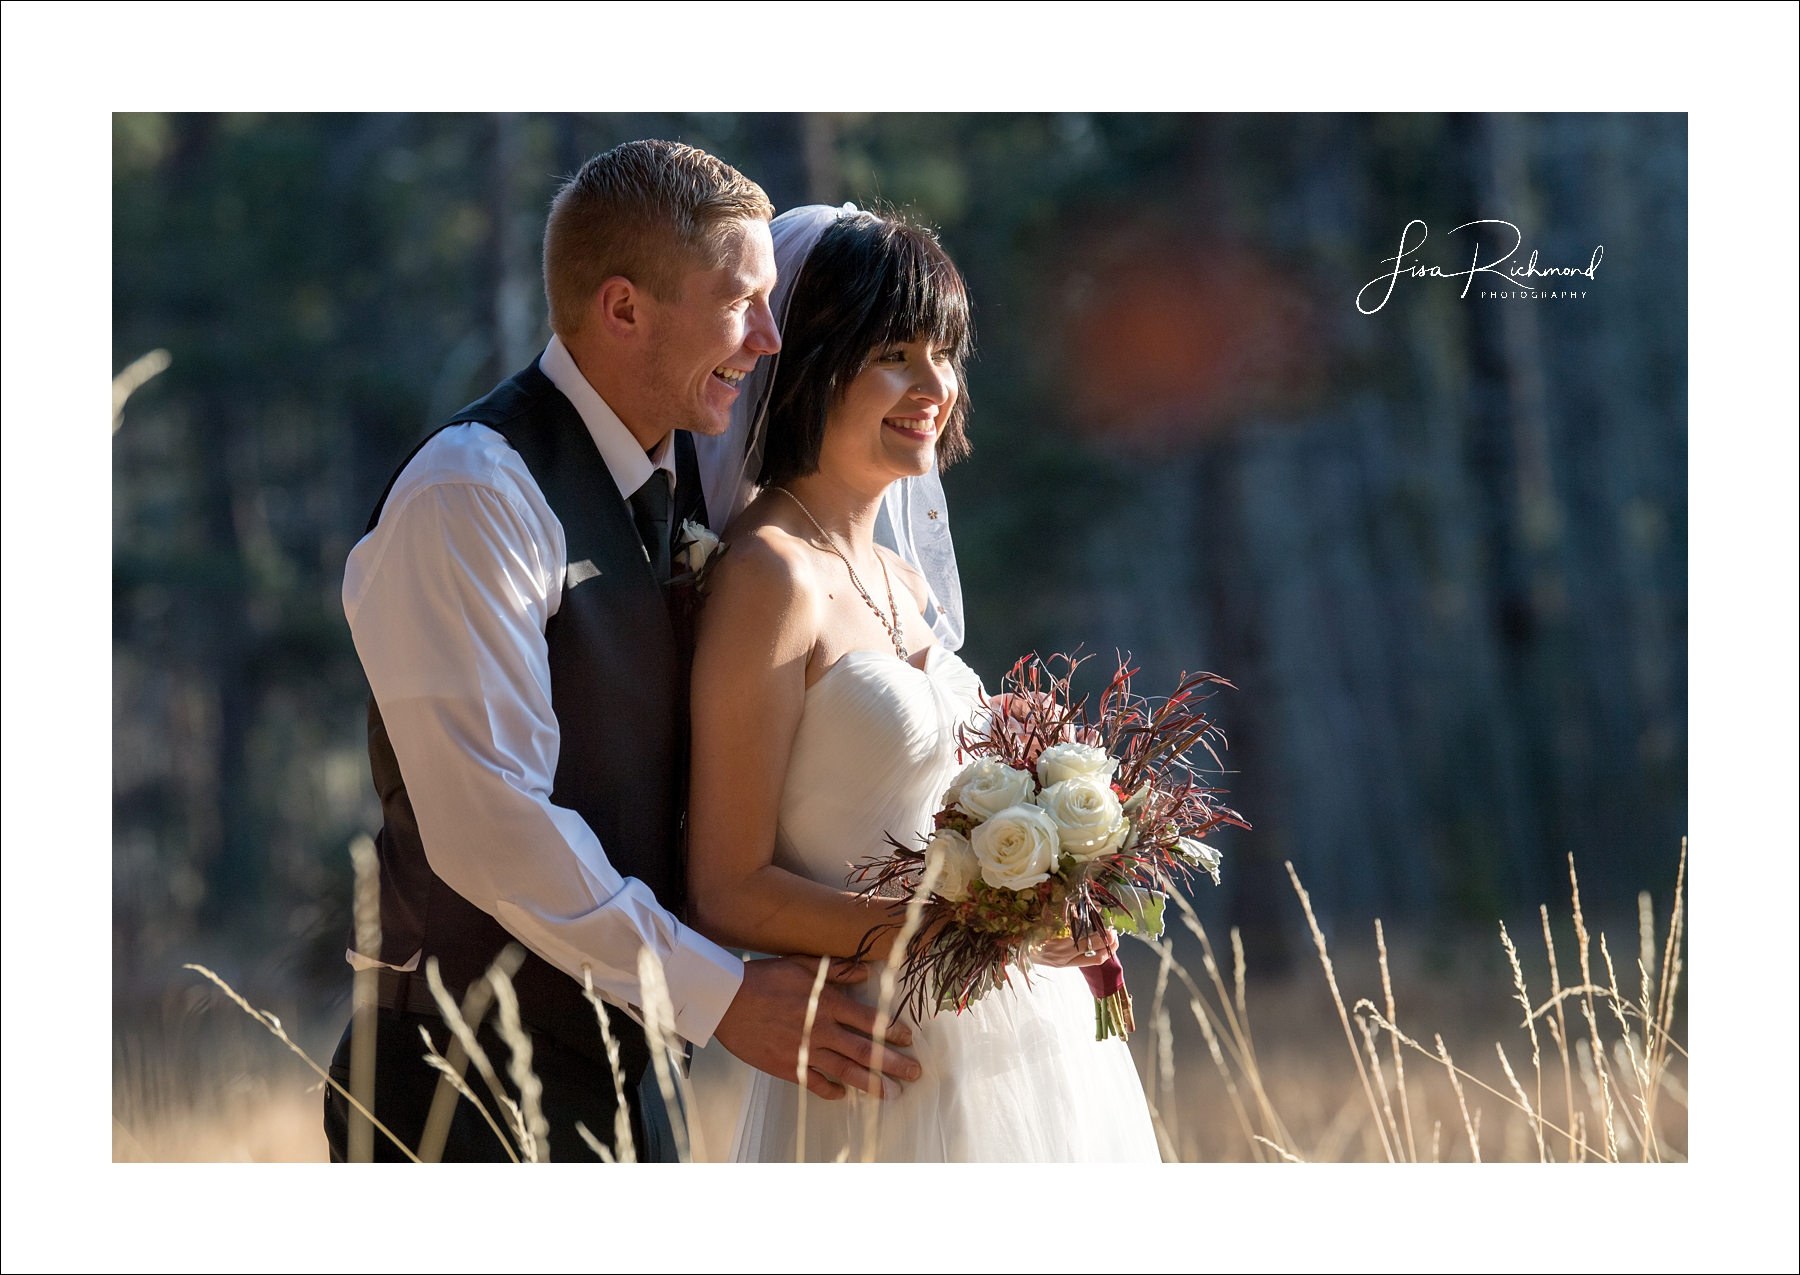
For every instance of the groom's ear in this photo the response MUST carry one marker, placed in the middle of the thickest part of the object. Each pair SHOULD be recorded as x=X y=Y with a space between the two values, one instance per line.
x=617 y=309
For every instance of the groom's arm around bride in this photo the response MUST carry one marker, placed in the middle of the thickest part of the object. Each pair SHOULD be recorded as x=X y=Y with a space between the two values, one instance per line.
x=528 y=715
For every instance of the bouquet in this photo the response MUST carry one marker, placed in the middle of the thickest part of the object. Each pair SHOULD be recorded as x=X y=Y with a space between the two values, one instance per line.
x=1061 y=824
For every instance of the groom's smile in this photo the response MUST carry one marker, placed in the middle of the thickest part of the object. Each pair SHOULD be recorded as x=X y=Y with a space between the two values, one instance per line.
x=719 y=327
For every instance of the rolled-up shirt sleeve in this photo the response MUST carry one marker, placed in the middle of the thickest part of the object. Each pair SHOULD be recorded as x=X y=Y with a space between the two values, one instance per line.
x=447 y=601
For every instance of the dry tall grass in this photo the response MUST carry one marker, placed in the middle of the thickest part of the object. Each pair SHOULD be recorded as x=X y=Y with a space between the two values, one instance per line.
x=1215 y=1092
x=164 y=1112
x=1632 y=1068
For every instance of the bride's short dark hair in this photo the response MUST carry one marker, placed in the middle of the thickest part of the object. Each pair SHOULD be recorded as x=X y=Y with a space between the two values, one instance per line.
x=869 y=281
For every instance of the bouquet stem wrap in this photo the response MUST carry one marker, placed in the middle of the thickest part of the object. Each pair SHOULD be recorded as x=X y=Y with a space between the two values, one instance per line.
x=1112 y=1003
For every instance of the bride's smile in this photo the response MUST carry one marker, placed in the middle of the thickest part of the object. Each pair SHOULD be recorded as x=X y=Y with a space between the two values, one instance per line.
x=919 y=429
x=888 y=422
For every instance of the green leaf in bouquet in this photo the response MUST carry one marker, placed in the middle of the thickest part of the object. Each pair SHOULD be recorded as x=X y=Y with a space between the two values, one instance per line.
x=1200 y=855
x=1142 y=913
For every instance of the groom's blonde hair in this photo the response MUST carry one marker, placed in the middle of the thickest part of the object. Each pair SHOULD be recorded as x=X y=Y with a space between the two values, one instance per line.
x=650 y=211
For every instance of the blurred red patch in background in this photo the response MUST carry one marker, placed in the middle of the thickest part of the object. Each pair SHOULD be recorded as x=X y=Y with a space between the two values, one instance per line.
x=1166 y=344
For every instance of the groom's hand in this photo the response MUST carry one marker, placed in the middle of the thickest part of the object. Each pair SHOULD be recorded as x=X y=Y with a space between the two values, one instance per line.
x=767 y=1017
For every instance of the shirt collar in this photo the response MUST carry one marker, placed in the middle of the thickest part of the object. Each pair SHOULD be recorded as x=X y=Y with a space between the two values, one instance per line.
x=625 y=460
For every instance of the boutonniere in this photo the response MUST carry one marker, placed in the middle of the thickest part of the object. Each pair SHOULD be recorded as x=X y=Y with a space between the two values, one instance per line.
x=696 y=547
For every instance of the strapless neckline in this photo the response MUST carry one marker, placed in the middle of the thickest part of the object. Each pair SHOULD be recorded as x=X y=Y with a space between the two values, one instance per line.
x=933 y=654
x=875 y=747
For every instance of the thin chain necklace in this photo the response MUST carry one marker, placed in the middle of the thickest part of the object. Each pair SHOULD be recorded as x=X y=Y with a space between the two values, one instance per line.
x=892 y=627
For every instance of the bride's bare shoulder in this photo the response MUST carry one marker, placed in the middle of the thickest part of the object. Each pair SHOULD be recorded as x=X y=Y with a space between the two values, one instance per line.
x=767 y=574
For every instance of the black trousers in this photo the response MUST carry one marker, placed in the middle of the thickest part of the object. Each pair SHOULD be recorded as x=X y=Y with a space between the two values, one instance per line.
x=575 y=1088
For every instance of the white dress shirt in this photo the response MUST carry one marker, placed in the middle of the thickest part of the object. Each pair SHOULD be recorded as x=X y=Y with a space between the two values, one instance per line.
x=447 y=601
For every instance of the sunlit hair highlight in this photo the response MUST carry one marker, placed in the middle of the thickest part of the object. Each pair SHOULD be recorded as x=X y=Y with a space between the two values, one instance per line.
x=647 y=210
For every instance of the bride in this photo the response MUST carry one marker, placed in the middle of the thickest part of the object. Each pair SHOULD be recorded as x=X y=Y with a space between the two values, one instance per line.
x=825 y=711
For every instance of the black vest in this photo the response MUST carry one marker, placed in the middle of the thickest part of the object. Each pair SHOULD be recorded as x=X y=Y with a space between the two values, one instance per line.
x=619 y=664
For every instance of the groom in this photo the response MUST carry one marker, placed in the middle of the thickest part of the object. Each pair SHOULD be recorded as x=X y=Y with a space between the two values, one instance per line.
x=528 y=708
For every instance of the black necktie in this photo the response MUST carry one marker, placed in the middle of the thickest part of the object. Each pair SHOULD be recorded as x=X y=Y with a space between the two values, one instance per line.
x=652 y=506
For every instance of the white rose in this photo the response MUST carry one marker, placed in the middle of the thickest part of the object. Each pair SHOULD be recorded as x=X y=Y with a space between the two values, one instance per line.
x=1065 y=761
x=960 y=864
x=1016 y=848
x=697 y=543
x=1088 y=818
x=987 y=787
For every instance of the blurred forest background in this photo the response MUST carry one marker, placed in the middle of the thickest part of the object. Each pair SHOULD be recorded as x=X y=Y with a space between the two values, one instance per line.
x=1440 y=549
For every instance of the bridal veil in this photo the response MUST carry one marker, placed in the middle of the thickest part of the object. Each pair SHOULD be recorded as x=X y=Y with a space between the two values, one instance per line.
x=914 y=520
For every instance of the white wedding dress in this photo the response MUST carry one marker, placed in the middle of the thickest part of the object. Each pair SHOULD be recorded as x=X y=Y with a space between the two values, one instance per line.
x=1018 y=1075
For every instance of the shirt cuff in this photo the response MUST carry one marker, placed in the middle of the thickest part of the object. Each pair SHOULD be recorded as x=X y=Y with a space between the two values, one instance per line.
x=359 y=962
x=703 y=979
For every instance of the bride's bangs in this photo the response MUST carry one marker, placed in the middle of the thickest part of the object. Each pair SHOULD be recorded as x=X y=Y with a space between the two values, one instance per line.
x=924 y=298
